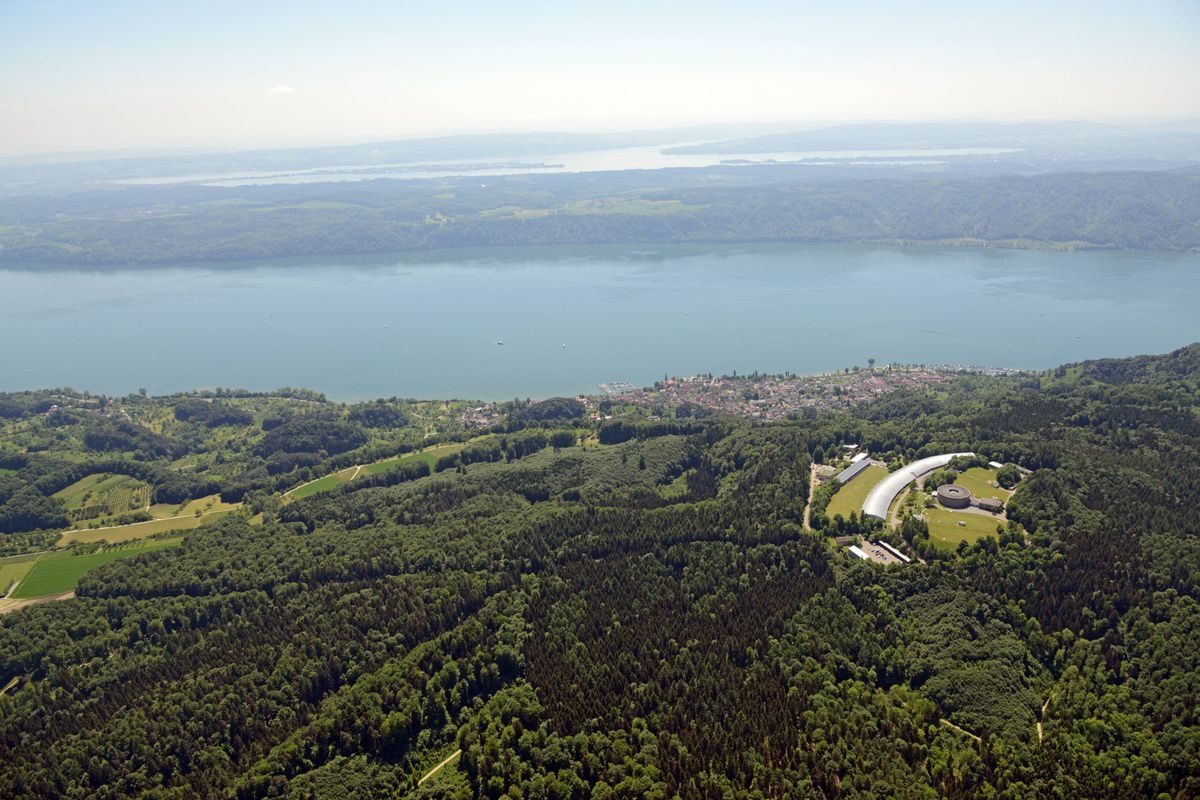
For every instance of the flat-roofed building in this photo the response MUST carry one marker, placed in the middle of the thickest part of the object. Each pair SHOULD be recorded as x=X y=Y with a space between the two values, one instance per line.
x=853 y=471
x=990 y=504
x=894 y=552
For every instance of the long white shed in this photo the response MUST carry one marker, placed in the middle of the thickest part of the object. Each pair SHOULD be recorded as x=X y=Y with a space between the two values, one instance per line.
x=881 y=497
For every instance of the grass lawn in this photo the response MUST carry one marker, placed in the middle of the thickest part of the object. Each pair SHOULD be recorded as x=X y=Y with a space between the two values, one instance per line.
x=140 y=530
x=851 y=496
x=945 y=532
x=15 y=568
x=976 y=480
x=321 y=484
x=56 y=573
x=429 y=456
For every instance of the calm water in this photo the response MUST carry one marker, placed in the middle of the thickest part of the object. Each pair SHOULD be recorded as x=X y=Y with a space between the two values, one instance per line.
x=648 y=157
x=425 y=325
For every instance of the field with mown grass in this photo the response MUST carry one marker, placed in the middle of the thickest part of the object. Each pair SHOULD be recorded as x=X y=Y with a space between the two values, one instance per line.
x=851 y=496
x=55 y=573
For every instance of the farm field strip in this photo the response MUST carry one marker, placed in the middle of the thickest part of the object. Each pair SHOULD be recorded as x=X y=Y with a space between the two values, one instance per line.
x=14 y=569
x=140 y=530
x=55 y=573
x=324 y=484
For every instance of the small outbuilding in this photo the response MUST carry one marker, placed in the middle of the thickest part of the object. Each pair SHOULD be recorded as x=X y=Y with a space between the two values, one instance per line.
x=952 y=496
x=989 y=504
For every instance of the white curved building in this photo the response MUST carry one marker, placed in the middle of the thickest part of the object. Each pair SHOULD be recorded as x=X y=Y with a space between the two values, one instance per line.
x=881 y=497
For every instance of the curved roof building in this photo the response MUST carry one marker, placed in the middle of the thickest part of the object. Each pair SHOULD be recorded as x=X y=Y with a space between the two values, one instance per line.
x=877 y=502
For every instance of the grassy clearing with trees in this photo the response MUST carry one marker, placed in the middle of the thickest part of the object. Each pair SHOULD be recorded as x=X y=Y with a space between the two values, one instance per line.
x=978 y=481
x=945 y=530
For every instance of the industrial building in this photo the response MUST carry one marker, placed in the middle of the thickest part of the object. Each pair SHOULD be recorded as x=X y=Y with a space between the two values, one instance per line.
x=853 y=471
x=879 y=552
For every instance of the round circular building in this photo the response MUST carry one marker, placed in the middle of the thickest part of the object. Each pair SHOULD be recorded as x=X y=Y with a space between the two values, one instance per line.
x=952 y=496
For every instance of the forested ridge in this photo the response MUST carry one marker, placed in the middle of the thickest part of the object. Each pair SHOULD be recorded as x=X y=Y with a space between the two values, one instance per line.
x=151 y=225
x=632 y=610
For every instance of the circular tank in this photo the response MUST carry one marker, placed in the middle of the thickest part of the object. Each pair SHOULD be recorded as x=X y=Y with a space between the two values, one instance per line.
x=952 y=496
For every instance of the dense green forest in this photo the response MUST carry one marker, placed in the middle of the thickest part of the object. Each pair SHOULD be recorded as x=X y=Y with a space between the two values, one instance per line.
x=149 y=225
x=635 y=610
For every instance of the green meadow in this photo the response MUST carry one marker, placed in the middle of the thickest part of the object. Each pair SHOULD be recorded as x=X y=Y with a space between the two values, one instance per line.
x=14 y=569
x=851 y=496
x=429 y=456
x=978 y=481
x=55 y=573
x=944 y=530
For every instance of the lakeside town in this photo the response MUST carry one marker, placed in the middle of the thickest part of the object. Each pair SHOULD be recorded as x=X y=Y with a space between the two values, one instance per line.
x=758 y=396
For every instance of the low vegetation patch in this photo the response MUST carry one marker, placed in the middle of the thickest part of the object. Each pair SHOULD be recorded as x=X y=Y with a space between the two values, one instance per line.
x=55 y=573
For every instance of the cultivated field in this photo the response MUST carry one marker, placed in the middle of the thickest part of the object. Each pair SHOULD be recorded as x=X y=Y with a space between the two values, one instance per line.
x=55 y=573
x=13 y=569
x=104 y=494
x=851 y=496
x=140 y=530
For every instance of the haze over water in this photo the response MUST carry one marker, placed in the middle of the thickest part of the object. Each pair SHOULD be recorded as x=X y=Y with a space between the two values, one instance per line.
x=425 y=325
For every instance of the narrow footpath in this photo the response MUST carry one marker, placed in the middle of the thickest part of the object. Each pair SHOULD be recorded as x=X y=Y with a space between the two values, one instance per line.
x=1042 y=719
x=434 y=771
x=963 y=731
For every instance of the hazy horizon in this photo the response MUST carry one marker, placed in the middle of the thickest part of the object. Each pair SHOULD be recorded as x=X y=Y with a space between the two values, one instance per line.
x=218 y=76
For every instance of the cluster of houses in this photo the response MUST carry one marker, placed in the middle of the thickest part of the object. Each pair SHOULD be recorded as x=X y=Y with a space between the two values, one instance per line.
x=772 y=397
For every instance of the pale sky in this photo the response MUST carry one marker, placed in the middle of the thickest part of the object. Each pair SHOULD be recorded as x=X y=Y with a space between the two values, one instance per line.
x=177 y=73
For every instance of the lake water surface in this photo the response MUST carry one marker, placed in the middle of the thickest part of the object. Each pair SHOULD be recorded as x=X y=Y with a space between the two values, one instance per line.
x=620 y=158
x=425 y=325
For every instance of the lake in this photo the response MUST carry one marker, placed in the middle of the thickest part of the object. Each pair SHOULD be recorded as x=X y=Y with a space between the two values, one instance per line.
x=425 y=325
x=619 y=158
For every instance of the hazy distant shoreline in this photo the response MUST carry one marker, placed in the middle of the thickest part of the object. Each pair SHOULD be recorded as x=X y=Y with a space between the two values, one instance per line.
x=1130 y=210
